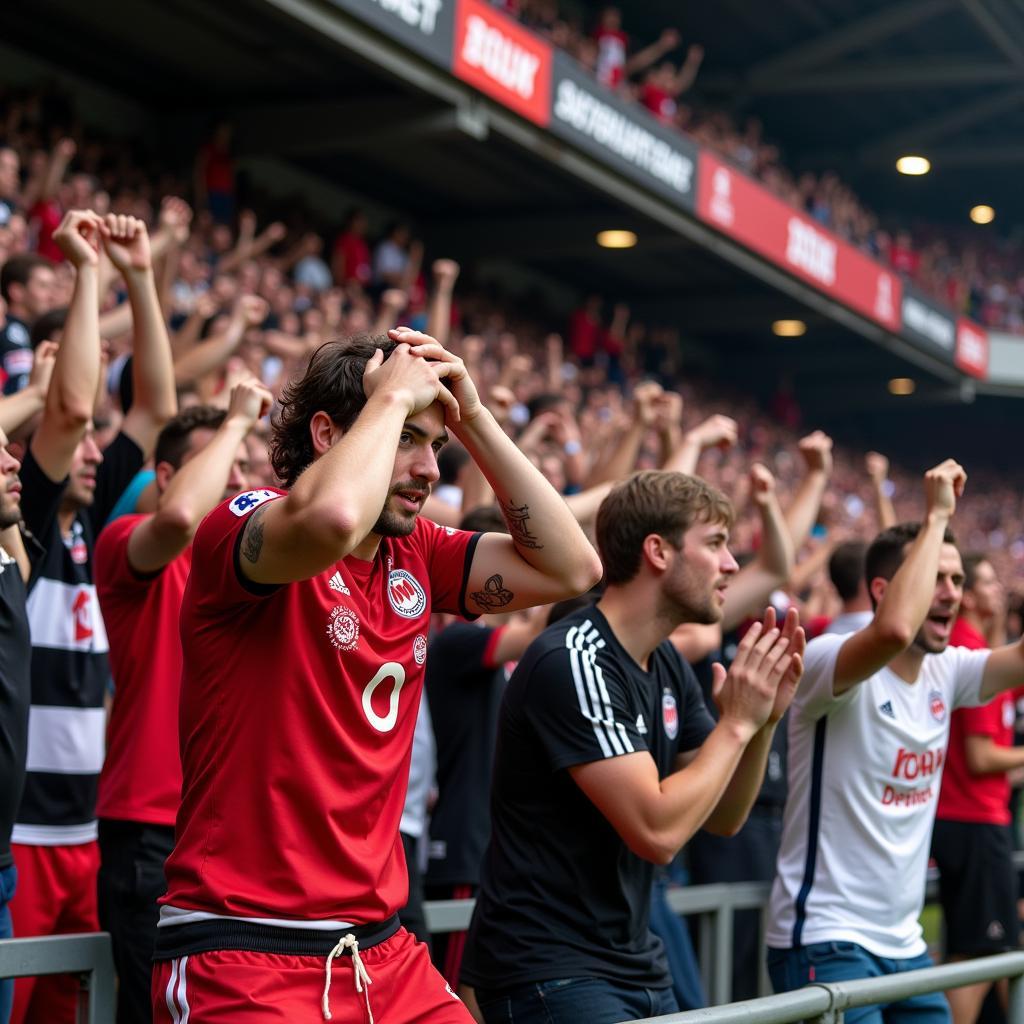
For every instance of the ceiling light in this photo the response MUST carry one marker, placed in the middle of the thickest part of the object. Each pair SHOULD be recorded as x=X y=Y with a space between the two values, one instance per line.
x=901 y=386
x=913 y=165
x=616 y=239
x=982 y=214
x=789 y=328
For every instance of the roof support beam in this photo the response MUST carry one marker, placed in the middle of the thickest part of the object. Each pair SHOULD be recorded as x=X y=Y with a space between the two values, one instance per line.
x=999 y=35
x=887 y=22
x=943 y=125
x=905 y=74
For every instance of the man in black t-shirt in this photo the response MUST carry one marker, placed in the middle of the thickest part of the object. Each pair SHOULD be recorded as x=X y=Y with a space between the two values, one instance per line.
x=608 y=761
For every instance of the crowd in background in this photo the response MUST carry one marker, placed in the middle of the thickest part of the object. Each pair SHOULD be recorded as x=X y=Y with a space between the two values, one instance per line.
x=590 y=397
x=973 y=273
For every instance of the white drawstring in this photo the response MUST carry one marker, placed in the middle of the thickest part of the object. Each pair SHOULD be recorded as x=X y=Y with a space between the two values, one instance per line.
x=362 y=979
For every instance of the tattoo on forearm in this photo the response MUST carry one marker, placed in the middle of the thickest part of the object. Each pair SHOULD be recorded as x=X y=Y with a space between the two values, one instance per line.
x=252 y=542
x=494 y=595
x=518 y=517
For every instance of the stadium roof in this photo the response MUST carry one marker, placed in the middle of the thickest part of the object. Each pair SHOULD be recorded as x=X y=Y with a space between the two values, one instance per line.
x=313 y=89
x=852 y=84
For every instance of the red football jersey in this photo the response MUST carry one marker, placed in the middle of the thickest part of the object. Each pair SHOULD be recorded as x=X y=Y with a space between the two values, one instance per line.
x=298 y=706
x=141 y=779
x=965 y=796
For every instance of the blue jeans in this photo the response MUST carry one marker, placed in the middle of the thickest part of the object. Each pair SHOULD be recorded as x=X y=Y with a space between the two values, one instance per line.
x=8 y=883
x=844 y=961
x=571 y=1000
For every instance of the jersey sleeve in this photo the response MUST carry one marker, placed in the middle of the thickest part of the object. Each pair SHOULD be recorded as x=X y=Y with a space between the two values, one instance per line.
x=217 y=580
x=449 y=556
x=968 y=668
x=579 y=709
x=986 y=720
x=814 y=697
x=113 y=572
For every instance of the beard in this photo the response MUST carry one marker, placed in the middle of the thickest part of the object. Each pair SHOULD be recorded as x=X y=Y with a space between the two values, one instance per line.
x=10 y=514
x=927 y=645
x=685 y=600
x=394 y=522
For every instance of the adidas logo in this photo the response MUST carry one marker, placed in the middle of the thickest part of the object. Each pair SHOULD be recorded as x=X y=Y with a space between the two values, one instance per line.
x=887 y=710
x=641 y=725
x=338 y=584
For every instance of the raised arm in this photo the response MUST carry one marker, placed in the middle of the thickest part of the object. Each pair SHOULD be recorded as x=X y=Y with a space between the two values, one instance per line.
x=153 y=400
x=76 y=370
x=18 y=409
x=546 y=556
x=439 y=318
x=908 y=595
x=751 y=587
x=802 y=514
x=655 y=817
x=198 y=485
x=877 y=466
x=212 y=354
x=653 y=52
x=716 y=430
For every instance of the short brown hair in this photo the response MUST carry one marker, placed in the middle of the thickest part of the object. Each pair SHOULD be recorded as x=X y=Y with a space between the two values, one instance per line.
x=653 y=501
x=332 y=383
x=173 y=441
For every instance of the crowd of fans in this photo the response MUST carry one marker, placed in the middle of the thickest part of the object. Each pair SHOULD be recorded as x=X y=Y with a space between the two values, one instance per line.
x=971 y=272
x=588 y=398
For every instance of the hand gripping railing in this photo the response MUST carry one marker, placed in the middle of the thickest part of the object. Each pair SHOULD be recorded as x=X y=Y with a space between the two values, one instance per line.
x=88 y=956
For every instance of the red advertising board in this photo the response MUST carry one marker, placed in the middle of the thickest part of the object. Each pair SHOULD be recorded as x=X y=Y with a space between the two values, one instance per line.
x=972 y=348
x=503 y=60
x=743 y=210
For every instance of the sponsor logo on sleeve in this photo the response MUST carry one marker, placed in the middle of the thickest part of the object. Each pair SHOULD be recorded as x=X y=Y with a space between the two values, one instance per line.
x=243 y=504
x=669 y=715
x=406 y=595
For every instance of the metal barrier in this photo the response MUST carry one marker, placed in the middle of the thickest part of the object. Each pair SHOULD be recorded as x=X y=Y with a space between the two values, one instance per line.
x=88 y=956
x=826 y=1003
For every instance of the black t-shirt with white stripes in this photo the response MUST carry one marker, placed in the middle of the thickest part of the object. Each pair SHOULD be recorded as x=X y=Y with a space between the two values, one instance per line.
x=561 y=895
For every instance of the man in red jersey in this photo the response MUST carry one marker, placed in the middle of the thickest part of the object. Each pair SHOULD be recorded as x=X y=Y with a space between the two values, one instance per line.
x=304 y=631
x=972 y=843
x=142 y=563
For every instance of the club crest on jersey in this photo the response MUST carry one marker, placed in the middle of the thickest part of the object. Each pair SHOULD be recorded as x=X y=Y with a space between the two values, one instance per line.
x=669 y=715
x=243 y=504
x=419 y=648
x=937 y=706
x=406 y=595
x=343 y=628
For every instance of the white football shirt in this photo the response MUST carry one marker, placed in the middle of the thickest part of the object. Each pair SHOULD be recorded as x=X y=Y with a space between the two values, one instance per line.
x=864 y=776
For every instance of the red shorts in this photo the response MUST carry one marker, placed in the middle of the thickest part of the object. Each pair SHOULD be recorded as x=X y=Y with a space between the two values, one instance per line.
x=56 y=895
x=245 y=987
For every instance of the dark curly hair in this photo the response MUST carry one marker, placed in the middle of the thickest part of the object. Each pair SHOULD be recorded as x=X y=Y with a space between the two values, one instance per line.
x=332 y=383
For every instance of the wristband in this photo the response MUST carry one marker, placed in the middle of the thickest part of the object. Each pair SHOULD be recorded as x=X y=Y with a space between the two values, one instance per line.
x=573 y=447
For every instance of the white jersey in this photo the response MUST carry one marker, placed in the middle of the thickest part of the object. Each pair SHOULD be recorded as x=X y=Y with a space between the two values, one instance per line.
x=848 y=622
x=864 y=776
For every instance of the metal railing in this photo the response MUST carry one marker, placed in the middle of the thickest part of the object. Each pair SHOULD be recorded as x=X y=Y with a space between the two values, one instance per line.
x=88 y=956
x=826 y=1003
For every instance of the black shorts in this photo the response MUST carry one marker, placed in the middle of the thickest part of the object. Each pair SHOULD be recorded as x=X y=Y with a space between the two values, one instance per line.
x=977 y=886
